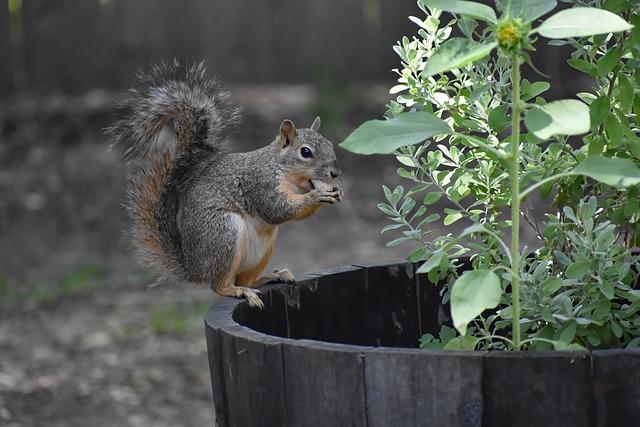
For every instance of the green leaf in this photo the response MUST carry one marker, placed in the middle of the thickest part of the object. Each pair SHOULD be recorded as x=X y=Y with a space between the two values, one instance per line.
x=446 y=334
x=528 y=9
x=615 y=6
x=465 y=343
x=564 y=117
x=385 y=136
x=418 y=254
x=475 y=228
x=616 y=328
x=582 y=22
x=614 y=129
x=474 y=292
x=405 y=173
x=421 y=211
x=582 y=65
x=562 y=258
x=593 y=338
x=599 y=110
x=452 y=217
x=429 y=342
x=608 y=62
x=578 y=269
x=431 y=198
x=562 y=346
x=433 y=261
x=596 y=147
x=455 y=53
x=636 y=104
x=568 y=332
x=417 y=188
x=631 y=206
x=634 y=343
x=615 y=172
x=386 y=209
x=407 y=205
x=429 y=219
x=625 y=93
x=551 y=285
x=498 y=119
x=480 y=144
x=635 y=33
x=606 y=288
x=467 y=8
x=406 y=160
x=387 y=193
x=603 y=307
x=398 y=241
x=568 y=212
x=391 y=227
x=534 y=90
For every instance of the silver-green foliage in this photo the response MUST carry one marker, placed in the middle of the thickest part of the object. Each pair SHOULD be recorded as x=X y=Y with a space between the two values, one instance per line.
x=472 y=163
x=583 y=293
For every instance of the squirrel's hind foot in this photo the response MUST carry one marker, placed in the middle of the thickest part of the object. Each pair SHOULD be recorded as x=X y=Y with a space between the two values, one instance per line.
x=278 y=275
x=284 y=275
x=241 y=292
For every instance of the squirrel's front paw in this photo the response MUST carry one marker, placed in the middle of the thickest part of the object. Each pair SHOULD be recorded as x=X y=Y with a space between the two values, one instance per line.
x=329 y=197
x=252 y=298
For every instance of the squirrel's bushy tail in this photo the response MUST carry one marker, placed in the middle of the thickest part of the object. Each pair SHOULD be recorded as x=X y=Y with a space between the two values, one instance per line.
x=200 y=112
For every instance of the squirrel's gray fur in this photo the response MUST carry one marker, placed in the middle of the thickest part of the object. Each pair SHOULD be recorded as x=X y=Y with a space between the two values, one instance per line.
x=200 y=111
x=191 y=203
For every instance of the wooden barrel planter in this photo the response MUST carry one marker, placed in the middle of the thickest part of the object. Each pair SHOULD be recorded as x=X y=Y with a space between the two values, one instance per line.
x=339 y=349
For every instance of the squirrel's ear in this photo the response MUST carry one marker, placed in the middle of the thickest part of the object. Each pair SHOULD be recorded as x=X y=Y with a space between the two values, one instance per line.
x=316 y=124
x=287 y=133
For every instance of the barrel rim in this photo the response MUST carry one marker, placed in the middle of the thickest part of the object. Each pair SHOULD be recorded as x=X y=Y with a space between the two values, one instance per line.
x=220 y=317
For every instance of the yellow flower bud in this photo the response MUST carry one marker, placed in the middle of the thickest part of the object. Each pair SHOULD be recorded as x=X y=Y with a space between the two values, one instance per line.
x=512 y=35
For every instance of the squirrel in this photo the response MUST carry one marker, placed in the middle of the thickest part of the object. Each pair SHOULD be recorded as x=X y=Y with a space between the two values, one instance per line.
x=203 y=214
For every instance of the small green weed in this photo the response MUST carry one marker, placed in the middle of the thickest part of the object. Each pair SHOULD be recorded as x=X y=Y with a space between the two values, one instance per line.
x=172 y=319
x=14 y=295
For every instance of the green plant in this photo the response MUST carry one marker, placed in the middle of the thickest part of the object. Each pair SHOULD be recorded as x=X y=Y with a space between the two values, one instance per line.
x=456 y=128
x=29 y=295
x=611 y=61
x=170 y=318
x=588 y=298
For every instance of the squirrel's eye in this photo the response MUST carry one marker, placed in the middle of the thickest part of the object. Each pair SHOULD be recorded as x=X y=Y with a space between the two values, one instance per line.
x=306 y=152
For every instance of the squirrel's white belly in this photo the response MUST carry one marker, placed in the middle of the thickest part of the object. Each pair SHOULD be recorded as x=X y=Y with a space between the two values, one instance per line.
x=257 y=237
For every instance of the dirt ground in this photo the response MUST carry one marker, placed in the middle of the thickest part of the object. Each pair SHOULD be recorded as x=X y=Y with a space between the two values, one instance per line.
x=83 y=341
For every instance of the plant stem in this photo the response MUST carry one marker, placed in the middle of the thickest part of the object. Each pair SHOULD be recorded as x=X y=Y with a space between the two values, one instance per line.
x=515 y=197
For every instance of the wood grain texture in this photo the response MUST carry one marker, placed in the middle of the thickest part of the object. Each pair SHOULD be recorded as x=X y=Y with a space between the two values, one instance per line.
x=253 y=378
x=218 y=317
x=324 y=384
x=214 y=353
x=616 y=387
x=416 y=388
x=537 y=389
x=302 y=382
x=390 y=306
x=319 y=311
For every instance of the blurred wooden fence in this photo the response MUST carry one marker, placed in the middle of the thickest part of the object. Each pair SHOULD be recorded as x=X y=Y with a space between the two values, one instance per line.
x=74 y=45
